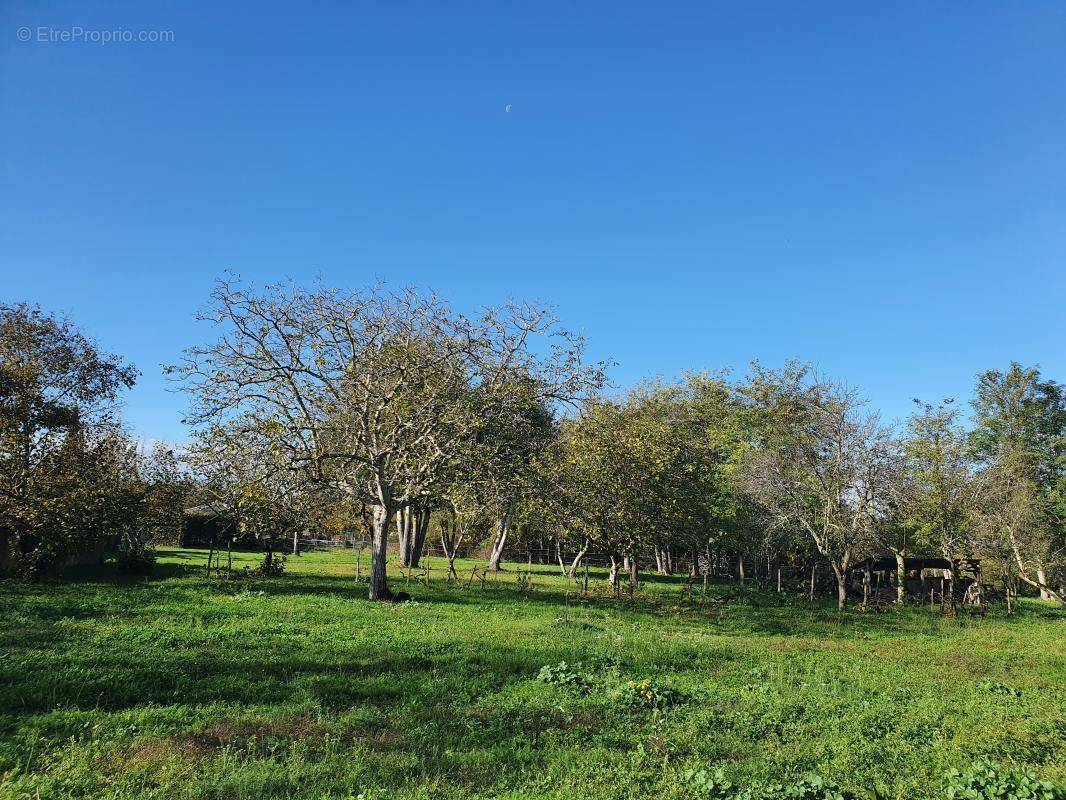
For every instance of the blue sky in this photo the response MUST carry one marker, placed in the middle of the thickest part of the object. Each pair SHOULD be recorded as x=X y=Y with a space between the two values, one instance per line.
x=877 y=188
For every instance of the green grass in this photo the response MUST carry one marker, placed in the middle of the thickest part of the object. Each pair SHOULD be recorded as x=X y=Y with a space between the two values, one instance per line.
x=297 y=687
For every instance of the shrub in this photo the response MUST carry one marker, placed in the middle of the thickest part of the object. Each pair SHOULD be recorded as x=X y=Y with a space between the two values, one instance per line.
x=273 y=564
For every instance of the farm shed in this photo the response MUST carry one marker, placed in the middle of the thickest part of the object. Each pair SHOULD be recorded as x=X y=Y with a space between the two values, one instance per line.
x=922 y=575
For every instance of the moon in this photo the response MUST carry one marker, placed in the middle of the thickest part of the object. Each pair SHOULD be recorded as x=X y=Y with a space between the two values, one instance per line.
x=507 y=108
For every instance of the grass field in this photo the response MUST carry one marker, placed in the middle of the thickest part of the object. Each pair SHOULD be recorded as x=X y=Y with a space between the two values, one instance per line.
x=296 y=687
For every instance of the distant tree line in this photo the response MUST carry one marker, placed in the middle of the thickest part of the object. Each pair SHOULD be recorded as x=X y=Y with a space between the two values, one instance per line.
x=321 y=409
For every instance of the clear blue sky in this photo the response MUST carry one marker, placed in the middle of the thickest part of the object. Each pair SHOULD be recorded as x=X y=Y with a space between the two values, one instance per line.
x=878 y=188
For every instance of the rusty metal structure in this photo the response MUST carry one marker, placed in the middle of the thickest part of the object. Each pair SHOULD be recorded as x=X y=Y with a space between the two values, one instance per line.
x=933 y=580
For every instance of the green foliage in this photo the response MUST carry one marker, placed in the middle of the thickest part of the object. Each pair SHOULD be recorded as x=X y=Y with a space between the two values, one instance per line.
x=272 y=565
x=985 y=780
x=997 y=687
x=706 y=785
x=65 y=464
x=646 y=693
x=566 y=675
x=703 y=784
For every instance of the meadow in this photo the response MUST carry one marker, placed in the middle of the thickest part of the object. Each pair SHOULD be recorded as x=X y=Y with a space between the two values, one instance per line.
x=188 y=686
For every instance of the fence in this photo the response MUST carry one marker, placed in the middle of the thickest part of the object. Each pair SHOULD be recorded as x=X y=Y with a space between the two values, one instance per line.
x=720 y=565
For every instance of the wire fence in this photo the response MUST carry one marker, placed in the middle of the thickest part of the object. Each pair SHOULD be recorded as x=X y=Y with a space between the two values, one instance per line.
x=720 y=565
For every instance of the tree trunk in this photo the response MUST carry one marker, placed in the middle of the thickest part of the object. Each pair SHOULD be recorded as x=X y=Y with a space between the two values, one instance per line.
x=418 y=537
x=503 y=529
x=576 y=563
x=632 y=575
x=612 y=576
x=740 y=569
x=404 y=521
x=950 y=587
x=450 y=545
x=559 y=558
x=1007 y=585
x=296 y=543
x=842 y=586
x=1041 y=578
x=379 y=586
x=901 y=579
x=1046 y=592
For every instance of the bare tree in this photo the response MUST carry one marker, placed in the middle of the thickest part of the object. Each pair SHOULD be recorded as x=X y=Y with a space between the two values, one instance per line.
x=372 y=393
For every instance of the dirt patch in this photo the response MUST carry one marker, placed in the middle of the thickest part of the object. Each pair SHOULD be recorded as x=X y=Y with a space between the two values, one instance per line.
x=374 y=738
x=188 y=749
x=228 y=732
x=151 y=754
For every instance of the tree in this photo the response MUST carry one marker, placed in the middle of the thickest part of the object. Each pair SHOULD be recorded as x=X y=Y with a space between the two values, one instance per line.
x=645 y=473
x=502 y=462
x=602 y=486
x=372 y=393
x=1019 y=441
x=820 y=463
x=937 y=498
x=250 y=480
x=167 y=489
x=58 y=394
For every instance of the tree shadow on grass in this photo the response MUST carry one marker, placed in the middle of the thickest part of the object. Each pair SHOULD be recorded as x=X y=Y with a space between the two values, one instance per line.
x=126 y=674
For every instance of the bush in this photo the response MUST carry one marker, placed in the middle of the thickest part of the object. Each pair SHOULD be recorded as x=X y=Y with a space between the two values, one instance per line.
x=985 y=780
x=273 y=564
